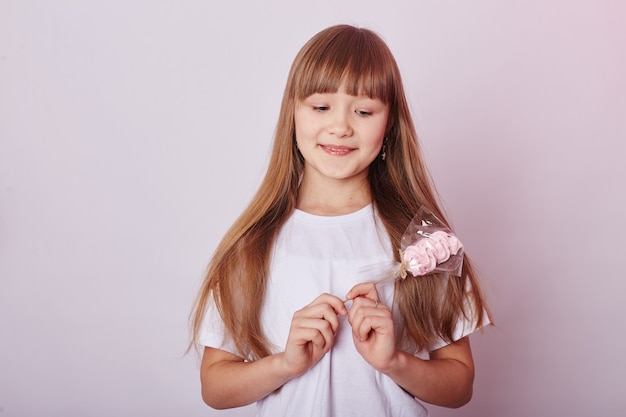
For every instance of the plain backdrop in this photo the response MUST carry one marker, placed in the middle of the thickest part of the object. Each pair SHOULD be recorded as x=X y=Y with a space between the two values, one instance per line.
x=132 y=133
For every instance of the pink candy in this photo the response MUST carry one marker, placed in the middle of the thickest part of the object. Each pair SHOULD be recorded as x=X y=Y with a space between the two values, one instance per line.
x=430 y=251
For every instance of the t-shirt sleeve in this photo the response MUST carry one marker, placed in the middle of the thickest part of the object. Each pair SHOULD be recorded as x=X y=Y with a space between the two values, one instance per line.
x=466 y=325
x=213 y=333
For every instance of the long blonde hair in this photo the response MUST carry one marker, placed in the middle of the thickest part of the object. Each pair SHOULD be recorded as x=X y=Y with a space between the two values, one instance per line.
x=237 y=275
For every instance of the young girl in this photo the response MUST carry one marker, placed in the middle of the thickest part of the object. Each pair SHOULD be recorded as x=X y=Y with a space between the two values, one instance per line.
x=283 y=317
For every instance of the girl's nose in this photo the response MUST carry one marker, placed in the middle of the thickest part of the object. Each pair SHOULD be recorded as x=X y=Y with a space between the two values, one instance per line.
x=340 y=124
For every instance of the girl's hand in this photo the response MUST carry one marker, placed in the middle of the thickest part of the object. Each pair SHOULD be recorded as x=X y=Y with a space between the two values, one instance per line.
x=312 y=333
x=372 y=326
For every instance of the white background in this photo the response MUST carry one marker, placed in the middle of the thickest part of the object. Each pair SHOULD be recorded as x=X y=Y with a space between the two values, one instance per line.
x=132 y=133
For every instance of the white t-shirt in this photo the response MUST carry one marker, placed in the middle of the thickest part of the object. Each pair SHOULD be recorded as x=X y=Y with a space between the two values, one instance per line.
x=314 y=255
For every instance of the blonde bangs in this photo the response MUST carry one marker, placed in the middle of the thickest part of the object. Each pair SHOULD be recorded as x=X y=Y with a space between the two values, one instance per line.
x=354 y=58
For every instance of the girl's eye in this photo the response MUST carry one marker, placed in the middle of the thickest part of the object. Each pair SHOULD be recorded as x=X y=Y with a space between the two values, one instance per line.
x=320 y=108
x=363 y=113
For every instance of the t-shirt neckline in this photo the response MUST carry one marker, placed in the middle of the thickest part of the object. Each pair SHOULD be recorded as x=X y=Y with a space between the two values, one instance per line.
x=342 y=218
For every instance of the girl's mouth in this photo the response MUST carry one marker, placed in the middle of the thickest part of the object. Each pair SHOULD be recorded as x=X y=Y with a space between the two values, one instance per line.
x=337 y=150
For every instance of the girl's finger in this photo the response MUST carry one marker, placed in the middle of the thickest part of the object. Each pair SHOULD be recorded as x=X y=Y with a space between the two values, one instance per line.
x=335 y=302
x=363 y=328
x=320 y=311
x=365 y=289
x=312 y=335
x=364 y=306
x=318 y=331
x=367 y=315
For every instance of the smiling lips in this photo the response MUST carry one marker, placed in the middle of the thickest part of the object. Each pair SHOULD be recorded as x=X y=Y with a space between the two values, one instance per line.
x=337 y=150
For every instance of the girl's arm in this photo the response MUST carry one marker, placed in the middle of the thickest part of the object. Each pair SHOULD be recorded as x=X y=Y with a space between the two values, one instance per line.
x=228 y=381
x=445 y=380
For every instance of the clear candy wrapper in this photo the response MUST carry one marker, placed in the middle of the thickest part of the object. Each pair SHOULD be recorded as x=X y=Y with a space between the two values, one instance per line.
x=427 y=247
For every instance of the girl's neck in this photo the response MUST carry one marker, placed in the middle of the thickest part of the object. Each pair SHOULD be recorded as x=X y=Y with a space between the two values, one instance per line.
x=333 y=197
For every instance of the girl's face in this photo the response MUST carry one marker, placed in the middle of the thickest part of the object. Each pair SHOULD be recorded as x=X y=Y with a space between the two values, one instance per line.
x=339 y=135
